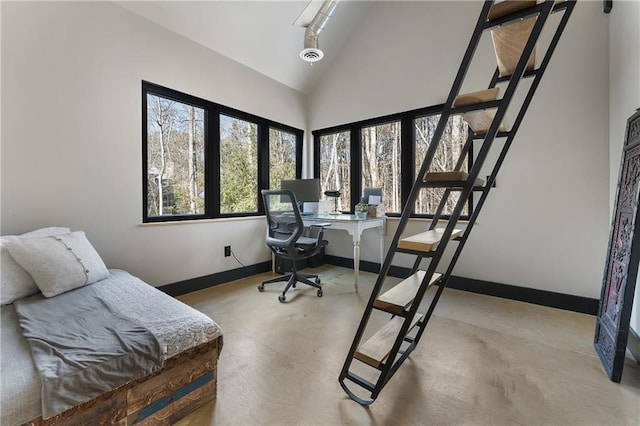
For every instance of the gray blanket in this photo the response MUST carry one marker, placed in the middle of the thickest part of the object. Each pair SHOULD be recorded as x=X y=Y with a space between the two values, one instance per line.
x=83 y=346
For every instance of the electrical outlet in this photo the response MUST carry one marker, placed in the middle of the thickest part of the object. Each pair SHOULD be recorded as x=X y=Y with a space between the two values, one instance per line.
x=227 y=251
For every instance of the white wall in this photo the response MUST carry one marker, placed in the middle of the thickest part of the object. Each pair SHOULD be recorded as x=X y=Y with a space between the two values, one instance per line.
x=71 y=134
x=71 y=149
x=546 y=224
x=624 y=94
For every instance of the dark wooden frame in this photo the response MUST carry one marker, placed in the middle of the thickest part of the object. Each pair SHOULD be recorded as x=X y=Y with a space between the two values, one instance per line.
x=407 y=155
x=623 y=256
x=185 y=382
x=212 y=152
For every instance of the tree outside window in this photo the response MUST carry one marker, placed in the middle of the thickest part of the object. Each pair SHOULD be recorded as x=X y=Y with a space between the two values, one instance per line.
x=238 y=165
x=386 y=152
x=203 y=160
x=282 y=157
x=335 y=167
x=446 y=156
x=175 y=158
x=381 y=163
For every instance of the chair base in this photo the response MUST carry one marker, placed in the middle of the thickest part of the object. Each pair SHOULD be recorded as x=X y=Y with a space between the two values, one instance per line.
x=292 y=278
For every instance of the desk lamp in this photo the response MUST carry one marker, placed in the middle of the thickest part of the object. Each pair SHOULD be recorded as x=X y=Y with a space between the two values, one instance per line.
x=334 y=193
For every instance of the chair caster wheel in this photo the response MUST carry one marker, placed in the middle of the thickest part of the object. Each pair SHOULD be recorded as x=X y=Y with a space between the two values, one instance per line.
x=261 y=288
x=319 y=293
x=282 y=298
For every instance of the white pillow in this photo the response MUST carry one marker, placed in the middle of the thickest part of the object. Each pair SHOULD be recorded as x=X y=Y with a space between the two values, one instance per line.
x=45 y=232
x=59 y=263
x=15 y=282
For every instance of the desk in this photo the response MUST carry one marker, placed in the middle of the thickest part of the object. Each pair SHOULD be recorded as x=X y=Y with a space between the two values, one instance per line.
x=354 y=226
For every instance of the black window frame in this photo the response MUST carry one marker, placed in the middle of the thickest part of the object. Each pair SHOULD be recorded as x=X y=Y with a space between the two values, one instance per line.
x=407 y=160
x=212 y=112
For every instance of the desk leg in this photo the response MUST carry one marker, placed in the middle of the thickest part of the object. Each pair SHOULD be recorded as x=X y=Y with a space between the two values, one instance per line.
x=381 y=248
x=356 y=263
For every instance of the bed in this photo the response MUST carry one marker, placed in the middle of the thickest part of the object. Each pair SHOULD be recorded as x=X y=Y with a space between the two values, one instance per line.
x=58 y=358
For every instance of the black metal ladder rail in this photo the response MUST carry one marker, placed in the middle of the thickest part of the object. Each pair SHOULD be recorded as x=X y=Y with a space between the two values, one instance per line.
x=537 y=74
x=468 y=186
x=389 y=367
x=406 y=213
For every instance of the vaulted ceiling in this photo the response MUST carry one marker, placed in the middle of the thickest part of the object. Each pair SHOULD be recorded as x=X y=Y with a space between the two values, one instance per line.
x=262 y=35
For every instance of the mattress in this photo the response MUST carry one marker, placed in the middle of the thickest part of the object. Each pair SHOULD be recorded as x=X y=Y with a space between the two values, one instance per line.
x=177 y=327
x=19 y=381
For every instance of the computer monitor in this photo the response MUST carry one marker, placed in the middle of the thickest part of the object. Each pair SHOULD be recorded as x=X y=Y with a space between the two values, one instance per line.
x=306 y=190
x=372 y=196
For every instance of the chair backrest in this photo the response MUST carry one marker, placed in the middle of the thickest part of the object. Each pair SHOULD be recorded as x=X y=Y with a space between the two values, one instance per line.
x=284 y=221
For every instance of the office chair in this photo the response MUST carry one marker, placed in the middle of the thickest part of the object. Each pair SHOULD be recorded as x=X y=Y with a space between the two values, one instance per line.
x=284 y=238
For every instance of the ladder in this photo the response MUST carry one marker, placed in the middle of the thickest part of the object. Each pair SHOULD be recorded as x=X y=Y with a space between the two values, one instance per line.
x=515 y=27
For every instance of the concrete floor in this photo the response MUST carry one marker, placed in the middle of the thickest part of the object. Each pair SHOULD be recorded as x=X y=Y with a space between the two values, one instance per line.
x=482 y=361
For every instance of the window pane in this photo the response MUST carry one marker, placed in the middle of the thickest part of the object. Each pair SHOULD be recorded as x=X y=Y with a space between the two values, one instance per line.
x=446 y=157
x=335 y=168
x=381 y=163
x=175 y=158
x=282 y=157
x=238 y=165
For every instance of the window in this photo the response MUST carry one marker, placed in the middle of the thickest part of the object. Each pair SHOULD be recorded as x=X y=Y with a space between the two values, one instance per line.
x=238 y=165
x=454 y=137
x=175 y=154
x=381 y=165
x=203 y=160
x=282 y=157
x=386 y=153
x=334 y=169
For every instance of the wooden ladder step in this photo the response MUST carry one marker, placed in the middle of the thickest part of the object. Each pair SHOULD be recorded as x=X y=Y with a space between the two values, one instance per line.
x=509 y=40
x=376 y=349
x=477 y=97
x=507 y=7
x=508 y=44
x=426 y=241
x=450 y=178
x=398 y=298
x=479 y=121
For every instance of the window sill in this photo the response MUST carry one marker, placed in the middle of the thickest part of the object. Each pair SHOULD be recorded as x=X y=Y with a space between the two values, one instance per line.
x=201 y=221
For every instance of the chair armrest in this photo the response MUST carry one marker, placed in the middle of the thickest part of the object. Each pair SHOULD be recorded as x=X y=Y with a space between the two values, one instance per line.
x=318 y=230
